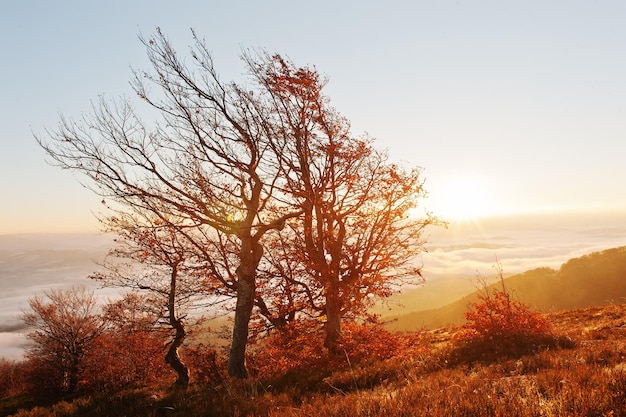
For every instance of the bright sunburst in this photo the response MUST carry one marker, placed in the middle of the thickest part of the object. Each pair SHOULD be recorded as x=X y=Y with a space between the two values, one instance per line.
x=462 y=198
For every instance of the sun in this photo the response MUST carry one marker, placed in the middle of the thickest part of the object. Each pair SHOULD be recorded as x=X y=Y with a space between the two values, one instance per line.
x=462 y=198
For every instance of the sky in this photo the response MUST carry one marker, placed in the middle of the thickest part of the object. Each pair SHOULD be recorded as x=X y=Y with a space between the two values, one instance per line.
x=508 y=107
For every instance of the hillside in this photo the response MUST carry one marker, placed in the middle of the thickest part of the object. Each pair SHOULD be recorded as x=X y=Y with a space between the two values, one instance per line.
x=595 y=279
x=583 y=373
x=584 y=377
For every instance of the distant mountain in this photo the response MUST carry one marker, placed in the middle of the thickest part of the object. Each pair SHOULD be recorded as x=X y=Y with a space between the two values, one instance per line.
x=595 y=279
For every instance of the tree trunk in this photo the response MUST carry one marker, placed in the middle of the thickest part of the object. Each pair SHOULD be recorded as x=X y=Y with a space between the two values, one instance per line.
x=333 y=324
x=173 y=359
x=243 y=311
x=71 y=374
x=251 y=252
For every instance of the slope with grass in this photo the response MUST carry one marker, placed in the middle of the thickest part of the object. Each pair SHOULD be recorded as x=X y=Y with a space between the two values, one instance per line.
x=582 y=373
x=584 y=377
x=595 y=279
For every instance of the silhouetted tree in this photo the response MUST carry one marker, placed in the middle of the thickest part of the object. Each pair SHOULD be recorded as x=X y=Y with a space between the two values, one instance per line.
x=207 y=164
x=228 y=163
x=154 y=257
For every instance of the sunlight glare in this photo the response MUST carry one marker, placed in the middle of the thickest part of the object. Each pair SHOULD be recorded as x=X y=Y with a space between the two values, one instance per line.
x=462 y=198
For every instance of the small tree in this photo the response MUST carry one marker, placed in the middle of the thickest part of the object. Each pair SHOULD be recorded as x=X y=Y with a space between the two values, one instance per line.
x=154 y=257
x=65 y=323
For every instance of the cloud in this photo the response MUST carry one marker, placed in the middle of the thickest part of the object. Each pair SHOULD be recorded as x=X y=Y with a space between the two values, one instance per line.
x=520 y=245
x=13 y=327
x=12 y=345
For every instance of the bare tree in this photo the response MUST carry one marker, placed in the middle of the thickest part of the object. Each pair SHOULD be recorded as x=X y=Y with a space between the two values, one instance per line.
x=207 y=163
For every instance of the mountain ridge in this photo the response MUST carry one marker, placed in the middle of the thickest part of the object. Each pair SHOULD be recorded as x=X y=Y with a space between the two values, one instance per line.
x=598 y=278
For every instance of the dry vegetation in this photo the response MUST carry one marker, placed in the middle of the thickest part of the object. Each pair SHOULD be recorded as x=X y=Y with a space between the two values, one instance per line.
x=582 y=373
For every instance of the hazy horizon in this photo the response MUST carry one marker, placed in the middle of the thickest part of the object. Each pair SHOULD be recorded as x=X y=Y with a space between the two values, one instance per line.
x=32 y=262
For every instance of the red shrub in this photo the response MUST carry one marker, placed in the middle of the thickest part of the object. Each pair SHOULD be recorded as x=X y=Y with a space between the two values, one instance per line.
x=363 y=342
x=203 y=363
x=117 y=360
x=43 y=377
x=12 y=378
x=300 y=347
x=499 y=325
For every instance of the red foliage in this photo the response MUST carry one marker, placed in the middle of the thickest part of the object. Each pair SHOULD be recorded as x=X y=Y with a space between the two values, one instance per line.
x=298 y=346
x=204 y=364
x=498 y=317
x=116 y=360
x=499 y=325
x=12 y=378
x=301 y=347
x=363 y=342
x=43 y=377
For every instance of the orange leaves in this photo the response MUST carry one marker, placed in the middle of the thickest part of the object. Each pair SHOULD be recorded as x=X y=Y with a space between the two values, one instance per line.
x=499 y=325
x=498 y=316
x=12 y=380
x=119 y=359
x=287 y=80
x=204 y=362
x=300 y=347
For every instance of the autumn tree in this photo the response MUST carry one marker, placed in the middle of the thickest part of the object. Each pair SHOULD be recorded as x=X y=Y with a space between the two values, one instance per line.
x=207 y=163
x=357 y=236
x=64 y=323
x=153 y=257
x=230 y=165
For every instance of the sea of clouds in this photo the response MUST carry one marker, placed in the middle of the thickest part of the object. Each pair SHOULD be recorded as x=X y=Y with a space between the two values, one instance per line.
x=519 y=243
x=33 y=263
x=30 y=264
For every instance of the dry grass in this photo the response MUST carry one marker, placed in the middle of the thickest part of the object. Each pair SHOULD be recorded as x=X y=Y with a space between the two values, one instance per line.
x=585 y=378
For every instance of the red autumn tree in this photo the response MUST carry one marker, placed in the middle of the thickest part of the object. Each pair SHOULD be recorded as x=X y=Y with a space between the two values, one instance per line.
x=153 y=257
x=357 y=237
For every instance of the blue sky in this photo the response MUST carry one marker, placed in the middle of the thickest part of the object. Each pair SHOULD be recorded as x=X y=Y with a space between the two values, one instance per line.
x=508 y=106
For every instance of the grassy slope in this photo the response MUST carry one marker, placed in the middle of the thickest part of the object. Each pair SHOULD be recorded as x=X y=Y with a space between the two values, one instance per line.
x=595 y=279
x=587 y=379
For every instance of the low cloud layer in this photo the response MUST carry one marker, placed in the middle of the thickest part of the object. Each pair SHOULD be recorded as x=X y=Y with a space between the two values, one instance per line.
x=33 y=263
x=519 y=244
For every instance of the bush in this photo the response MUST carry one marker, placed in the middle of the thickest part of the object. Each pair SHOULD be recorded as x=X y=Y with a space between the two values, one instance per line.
x=498 y=325
x=300 y=349
x=365 y=342
x=299 y=346
x=117 y=360
x=204 y=365
x=12 y=378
